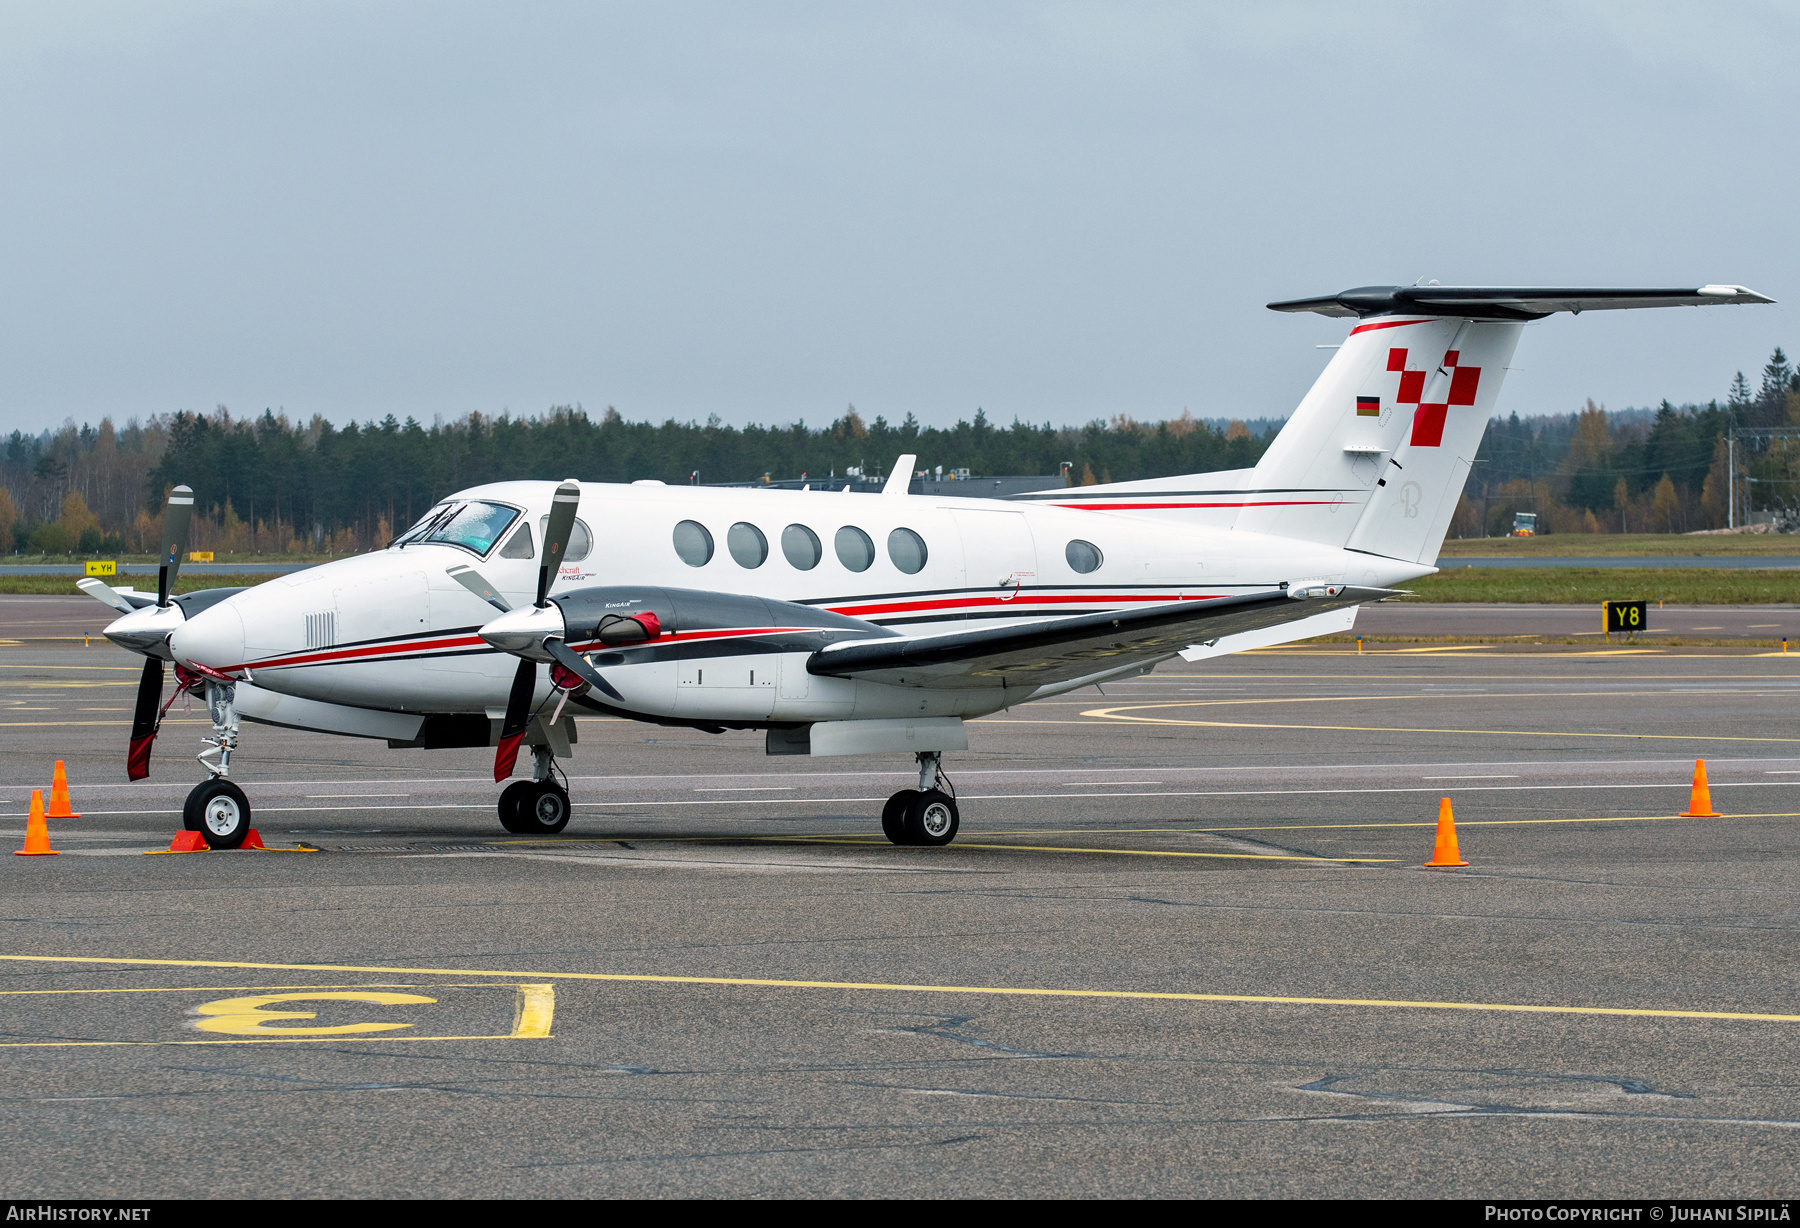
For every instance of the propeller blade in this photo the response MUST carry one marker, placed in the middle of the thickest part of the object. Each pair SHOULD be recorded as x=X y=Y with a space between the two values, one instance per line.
x=104 y=593
x=471 y=579
x=573 y=661
x=556 y=534
x=143 y=721
x=518 y=715
x=177 y=514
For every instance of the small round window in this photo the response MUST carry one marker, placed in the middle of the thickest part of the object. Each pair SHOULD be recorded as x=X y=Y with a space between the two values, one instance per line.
x=747 y=544
x=801 y=546
x=693 y=543
x=854 y=549
x=1083 y=556
x=907 y=549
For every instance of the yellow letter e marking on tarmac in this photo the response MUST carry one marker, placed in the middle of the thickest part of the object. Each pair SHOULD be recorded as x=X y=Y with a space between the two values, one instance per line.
x=247 y=1016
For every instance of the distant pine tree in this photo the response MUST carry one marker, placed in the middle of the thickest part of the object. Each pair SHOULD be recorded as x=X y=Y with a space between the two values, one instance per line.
x=1738 y=399
x=1776 y=376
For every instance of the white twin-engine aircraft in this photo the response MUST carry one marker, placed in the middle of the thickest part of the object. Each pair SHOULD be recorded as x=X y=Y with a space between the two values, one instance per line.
x=845 y=624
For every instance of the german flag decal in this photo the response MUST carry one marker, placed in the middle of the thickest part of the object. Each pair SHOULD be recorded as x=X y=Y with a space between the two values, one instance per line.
x=1368 y=407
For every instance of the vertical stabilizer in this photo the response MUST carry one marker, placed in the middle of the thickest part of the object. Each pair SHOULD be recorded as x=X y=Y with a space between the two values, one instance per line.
x=1381 y=444
x=1409 y=510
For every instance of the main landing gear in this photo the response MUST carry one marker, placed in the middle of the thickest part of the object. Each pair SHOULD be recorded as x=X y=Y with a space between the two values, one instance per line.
x=217 y=808
x=927 y=814
x=535 y=807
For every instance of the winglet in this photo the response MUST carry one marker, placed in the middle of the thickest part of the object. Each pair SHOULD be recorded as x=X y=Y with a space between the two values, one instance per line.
x=901 y=477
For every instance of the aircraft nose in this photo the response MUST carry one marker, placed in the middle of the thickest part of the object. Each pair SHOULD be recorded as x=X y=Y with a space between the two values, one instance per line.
x=213 y=638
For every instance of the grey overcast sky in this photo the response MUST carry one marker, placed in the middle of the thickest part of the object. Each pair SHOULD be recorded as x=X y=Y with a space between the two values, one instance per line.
x=766 y=211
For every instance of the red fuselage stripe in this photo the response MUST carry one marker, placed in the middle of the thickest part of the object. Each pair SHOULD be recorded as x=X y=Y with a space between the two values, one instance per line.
x=1023 y=601
x=1124 y=507
x=367 y=650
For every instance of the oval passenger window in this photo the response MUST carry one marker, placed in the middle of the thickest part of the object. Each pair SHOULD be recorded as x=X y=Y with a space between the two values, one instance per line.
x=801 y=546
x=747 y=544
x=1083 y=556
x=693 y=543
x=907 y=549
x=854 y=549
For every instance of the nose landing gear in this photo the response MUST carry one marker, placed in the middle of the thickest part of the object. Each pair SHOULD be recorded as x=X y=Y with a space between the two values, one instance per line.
x=927 y=814
x=536 y=807
x=217 y=808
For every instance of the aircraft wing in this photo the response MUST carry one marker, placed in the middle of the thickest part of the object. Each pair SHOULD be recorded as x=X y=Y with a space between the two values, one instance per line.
x=1058 y=650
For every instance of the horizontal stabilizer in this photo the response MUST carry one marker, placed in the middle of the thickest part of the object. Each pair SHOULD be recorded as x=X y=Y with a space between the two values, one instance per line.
x=1058 y=650
x=1508 y=302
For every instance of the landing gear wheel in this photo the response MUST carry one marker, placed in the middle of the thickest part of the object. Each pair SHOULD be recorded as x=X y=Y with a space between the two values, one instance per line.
x=931 y=818
x=219 y=811
x=512 y=806
x=893 y=816
x=543 y=810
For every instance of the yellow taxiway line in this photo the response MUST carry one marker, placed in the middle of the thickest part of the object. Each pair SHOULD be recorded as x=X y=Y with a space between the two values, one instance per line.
x=903 y=987
x=1046 y=848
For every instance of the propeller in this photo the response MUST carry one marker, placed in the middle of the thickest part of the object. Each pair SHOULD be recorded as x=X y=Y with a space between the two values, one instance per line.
x=147 y=718
x=177 y=515
x=472 y=580
x=518 y=703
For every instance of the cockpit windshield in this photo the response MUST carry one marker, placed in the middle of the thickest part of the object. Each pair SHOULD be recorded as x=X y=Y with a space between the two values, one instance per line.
x=424 y=524
x=473 y=526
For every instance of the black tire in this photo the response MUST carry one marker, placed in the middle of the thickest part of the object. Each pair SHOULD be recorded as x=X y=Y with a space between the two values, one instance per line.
x=190 y=809
x=222 y=813
x=893 y=815
x=543 y=810
x=931 y=818
x=512 y=806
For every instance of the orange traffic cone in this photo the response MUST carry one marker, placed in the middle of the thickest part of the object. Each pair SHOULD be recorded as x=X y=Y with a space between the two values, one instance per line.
x=1445 y=852
x=59 y=795
x=1700 y=800
x=37 y=834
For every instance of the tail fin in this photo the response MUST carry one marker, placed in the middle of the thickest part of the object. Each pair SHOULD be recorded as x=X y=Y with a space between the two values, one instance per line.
x=1375 y=457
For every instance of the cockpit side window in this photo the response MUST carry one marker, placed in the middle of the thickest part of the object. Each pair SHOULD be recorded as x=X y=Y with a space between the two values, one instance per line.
x=519 y=546
x=473 y=526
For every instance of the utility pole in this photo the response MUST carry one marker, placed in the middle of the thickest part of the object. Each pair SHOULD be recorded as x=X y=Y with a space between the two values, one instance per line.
x=1731 y=480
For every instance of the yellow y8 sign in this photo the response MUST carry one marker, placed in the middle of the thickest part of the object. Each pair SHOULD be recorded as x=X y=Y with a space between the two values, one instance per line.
x=1625 y=616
